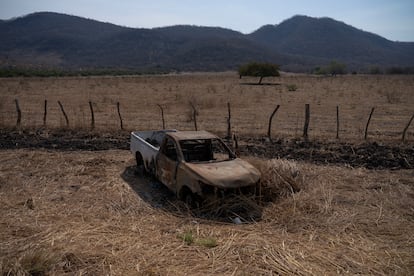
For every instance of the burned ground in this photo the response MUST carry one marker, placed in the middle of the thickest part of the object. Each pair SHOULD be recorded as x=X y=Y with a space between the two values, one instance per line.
x=371 y=155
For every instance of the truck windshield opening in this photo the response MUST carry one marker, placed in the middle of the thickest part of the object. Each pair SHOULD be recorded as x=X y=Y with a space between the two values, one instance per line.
x=205 y=150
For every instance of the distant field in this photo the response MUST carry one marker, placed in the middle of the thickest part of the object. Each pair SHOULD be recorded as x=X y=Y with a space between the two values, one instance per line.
x=251 y=105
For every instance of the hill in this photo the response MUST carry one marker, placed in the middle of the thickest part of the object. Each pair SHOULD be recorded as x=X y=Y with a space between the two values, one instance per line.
x=299 y=43
x=326 y=39
x=51 y=39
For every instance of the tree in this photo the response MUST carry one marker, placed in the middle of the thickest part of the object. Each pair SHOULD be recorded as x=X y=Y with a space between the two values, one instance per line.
x=336 y=68
x=255 y=69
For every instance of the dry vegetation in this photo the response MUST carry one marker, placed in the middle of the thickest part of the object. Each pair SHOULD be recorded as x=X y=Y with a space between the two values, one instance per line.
x=392 y=96
x=88 y=213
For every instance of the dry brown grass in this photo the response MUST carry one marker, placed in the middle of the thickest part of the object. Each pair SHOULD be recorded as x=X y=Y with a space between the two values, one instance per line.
x=76 y=213
x=280 y=178
x=251 y=105
x=79 y=213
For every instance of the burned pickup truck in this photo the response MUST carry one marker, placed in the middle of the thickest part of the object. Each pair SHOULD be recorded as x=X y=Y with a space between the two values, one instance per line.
x=194 y=165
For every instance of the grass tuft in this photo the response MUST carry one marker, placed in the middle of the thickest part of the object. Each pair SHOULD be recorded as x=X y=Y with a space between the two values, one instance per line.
x=280 y=178
x=187 y=237
x=209 y=242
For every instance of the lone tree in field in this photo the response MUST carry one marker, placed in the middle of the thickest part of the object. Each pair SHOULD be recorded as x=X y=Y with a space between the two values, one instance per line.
x=336 y=68
x=255 y=69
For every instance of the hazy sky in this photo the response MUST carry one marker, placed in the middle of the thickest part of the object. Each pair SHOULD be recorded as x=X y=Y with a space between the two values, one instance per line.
x=392 y=19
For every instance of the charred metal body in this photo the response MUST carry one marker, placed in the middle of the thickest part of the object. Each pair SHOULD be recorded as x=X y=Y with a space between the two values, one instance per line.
x=193 y=164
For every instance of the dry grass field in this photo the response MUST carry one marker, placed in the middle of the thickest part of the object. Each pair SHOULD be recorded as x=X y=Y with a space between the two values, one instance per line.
x=392 y=96
x=74 y=212
x=87 y=213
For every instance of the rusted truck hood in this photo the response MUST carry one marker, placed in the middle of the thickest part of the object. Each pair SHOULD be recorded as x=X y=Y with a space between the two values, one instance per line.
x=227 y=174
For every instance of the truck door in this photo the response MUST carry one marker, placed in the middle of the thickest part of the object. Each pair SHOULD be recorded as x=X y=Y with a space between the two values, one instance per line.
x=167 y=163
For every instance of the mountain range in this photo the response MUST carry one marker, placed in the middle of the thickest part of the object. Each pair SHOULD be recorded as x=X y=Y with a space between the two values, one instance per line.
x=299 y=43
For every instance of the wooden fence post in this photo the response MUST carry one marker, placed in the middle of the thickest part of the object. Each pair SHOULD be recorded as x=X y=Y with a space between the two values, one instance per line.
x=235 y=145
x=64 y=113
x=92 y=115
x=307 y=118
x=119 y=115
x=270 y=122
x=162 y=116
x=228 y=121
x=406 y=128
x=19 y=113
x=369 y=120
x=337 y=122
x=194 y=115
x=45 y=114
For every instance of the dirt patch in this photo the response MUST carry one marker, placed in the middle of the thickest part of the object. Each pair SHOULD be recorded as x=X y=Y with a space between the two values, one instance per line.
x=371 y=155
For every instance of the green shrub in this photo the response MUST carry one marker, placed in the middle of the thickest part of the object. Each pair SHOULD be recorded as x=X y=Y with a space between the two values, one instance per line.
x=187 y=237
x=208 y=242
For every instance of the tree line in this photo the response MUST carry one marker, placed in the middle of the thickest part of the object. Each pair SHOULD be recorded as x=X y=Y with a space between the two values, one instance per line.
x=253 y=69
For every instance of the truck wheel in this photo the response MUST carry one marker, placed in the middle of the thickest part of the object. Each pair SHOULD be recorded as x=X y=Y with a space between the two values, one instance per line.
x=190 y=199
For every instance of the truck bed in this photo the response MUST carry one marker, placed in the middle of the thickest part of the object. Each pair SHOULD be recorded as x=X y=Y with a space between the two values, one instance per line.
x=147 y=143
